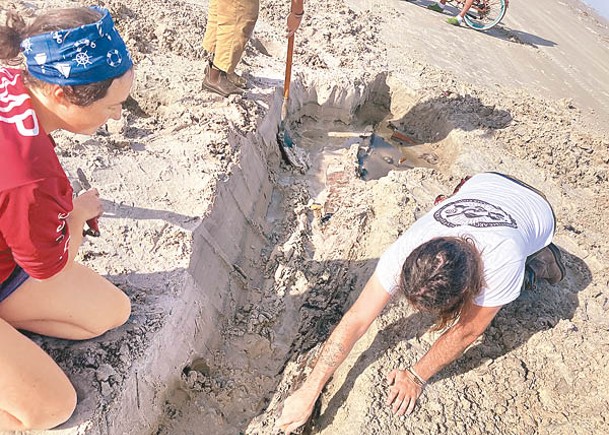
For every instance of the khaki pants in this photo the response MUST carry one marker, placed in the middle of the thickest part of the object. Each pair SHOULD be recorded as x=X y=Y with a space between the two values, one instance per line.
x=230 y=24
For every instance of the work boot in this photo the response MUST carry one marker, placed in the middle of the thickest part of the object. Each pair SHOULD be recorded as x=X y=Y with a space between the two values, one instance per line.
x=222 y=86
x=237 y=80
x=546 y=264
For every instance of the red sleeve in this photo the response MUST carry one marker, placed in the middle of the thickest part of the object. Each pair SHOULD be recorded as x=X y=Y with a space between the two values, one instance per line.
x=33 y=223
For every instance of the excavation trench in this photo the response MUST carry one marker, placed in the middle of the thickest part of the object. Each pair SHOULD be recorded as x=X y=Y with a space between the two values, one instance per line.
x=276 y=263
x=220 y=335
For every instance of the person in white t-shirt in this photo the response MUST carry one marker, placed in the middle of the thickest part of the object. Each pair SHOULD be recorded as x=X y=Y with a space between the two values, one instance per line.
x=462 y=261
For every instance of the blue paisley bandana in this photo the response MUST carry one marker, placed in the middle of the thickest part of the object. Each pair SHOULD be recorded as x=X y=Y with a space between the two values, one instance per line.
x=86 y=54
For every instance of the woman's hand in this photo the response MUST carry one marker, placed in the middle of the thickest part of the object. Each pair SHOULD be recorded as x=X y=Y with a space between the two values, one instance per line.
x=293 y=22
x=296 y=410
x=403 y=393
x=87 y=206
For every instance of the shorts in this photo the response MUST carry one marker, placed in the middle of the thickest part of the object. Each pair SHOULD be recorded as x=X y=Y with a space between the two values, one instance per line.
x=12 y=283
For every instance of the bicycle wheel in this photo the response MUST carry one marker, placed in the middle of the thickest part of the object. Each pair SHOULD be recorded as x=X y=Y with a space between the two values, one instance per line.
x=485 y=14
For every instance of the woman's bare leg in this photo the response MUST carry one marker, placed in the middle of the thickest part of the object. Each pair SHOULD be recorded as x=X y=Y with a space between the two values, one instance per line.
x=34 y=391
x=76 y=304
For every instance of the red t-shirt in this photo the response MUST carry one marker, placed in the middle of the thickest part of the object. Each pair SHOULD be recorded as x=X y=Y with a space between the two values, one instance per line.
x=35 y=194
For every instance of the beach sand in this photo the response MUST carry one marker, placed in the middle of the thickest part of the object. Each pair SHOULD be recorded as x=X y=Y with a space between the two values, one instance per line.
x=236 y=281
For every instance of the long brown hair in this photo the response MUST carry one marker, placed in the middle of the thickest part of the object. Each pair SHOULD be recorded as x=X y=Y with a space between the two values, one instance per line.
x=441 y=276
x=16 y=30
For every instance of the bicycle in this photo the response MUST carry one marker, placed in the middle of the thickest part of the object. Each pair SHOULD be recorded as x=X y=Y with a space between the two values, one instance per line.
x=484 y=14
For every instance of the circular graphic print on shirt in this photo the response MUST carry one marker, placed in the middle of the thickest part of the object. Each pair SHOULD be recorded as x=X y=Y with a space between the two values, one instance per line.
x=473 y=213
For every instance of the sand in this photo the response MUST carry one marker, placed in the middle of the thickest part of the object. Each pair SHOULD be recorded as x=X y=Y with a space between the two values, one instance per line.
x=234 y=279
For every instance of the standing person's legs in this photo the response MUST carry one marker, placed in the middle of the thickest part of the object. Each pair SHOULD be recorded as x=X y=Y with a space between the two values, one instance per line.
x=235 y=24
x=34 y=391
x=211 y=29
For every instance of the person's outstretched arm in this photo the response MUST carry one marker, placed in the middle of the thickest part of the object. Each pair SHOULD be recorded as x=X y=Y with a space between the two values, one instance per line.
x=405 y=391
x=298 y=407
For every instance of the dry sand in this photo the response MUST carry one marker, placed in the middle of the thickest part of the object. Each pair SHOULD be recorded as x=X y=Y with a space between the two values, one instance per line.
x=233 y=279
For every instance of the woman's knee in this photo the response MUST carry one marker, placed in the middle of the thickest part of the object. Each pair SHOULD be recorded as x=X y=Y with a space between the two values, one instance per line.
x=49 y=410
x=123 y=310
x=116 y=314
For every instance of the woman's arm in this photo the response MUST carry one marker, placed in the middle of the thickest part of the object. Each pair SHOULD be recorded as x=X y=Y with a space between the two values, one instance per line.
x=86 y=206
x=405 y=391
x=298 y=407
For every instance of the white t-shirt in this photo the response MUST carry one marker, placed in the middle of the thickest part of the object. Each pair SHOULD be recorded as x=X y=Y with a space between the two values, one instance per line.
x=507 y=222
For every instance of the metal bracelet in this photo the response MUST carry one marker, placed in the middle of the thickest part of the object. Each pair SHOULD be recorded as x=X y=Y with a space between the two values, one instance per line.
x=416 y=378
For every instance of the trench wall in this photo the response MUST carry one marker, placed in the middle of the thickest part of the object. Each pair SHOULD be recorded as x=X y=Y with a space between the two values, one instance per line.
x=219 y=273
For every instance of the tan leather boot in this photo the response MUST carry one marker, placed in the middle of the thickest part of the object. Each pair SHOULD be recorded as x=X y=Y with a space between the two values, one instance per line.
x=222 y=85
x=237 y=80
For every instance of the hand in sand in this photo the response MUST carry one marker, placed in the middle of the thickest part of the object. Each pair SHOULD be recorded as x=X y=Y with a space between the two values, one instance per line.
x=403 y=393
x=296 y=410
x=293 y=23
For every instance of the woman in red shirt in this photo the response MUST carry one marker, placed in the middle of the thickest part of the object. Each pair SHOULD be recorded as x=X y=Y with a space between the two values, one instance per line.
x=78 y=73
